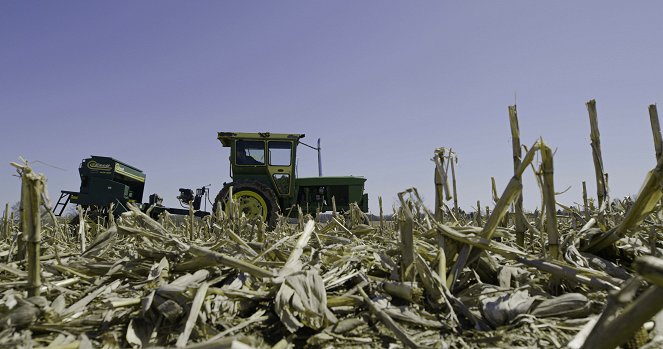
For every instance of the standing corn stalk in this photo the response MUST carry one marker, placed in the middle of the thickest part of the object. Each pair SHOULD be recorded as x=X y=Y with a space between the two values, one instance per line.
x=381 y=215
x=658 y=147
x=334 y=213
x=601 y=188
x=585 y=203
x=10 y=227
x=518 y=206
x=493 y=188
x=439 y=193
x=31 y=190
x=405 y=228
x=549 y=201
x=191 y=219
x=656 y=130
x=453 y=159
x=81 y=228
x=441 y=183
x=5 y=222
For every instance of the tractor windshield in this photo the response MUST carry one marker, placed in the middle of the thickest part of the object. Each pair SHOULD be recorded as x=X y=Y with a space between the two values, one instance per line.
x=250 y=152
x=279 y=153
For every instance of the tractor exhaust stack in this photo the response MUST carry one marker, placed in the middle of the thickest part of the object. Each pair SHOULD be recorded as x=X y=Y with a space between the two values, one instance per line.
x=319 y=160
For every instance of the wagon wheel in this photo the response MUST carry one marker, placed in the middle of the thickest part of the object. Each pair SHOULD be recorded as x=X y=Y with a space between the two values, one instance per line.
x=254 y=199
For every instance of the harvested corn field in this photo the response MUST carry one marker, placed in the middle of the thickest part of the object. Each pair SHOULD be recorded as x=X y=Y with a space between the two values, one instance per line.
x=562 y=277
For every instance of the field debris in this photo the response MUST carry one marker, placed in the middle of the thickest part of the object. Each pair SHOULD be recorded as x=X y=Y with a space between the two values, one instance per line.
x=564 y=277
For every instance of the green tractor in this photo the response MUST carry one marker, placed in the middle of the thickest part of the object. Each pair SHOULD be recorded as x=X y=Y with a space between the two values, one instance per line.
x=264 y=181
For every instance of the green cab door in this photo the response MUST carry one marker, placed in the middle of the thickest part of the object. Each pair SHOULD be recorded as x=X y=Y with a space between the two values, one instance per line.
x=280 y=165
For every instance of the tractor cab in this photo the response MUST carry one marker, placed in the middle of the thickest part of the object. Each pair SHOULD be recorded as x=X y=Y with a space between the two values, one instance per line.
x=268 y=158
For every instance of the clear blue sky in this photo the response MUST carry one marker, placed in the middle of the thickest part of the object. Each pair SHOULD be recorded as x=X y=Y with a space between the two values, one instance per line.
x=382 y=83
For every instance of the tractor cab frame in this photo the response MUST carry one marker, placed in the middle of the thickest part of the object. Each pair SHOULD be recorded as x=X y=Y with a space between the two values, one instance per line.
x=268 y=158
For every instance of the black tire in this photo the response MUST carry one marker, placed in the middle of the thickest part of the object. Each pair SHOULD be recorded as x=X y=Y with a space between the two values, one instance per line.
x=267 y=195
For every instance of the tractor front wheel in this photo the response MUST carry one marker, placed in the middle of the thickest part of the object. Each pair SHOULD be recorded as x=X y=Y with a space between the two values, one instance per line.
x=253 y=198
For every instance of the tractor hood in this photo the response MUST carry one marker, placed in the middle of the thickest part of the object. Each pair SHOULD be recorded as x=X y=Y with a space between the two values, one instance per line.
x=339 y=180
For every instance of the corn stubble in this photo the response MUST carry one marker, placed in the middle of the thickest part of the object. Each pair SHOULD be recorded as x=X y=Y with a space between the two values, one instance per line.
x=564 y=276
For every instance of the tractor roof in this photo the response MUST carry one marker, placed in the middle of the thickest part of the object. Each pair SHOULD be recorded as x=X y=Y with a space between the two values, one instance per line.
x=226 y=138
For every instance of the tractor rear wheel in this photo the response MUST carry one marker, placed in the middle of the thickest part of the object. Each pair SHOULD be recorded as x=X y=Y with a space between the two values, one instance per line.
x=254 y=199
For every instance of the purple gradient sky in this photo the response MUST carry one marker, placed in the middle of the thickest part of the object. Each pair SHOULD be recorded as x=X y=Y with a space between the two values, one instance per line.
x=382 y=83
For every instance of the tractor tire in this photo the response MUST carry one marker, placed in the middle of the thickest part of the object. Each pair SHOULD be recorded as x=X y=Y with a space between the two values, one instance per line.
x=254 y=199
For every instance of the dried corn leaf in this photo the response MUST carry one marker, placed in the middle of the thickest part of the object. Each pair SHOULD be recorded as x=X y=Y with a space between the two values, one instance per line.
x=302 y=301
x=503 y=309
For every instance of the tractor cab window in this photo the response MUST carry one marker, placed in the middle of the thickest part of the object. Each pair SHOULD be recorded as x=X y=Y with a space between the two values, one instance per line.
x=279 y=153
x=282 y=183
x=250 y=152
